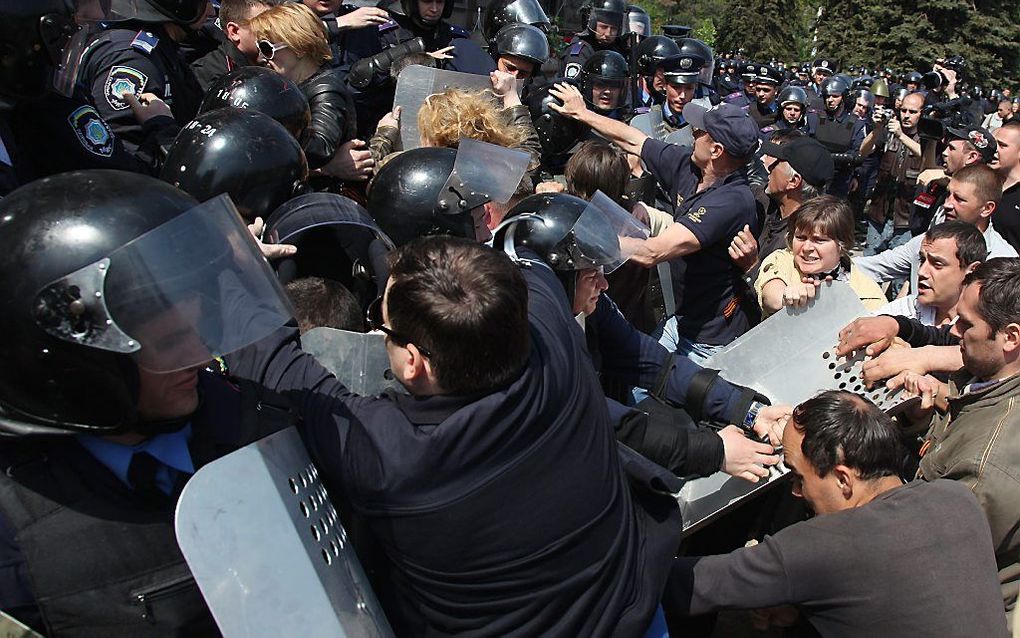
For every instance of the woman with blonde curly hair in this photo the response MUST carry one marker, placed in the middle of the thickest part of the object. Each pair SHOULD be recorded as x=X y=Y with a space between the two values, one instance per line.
x=293 y=42
x=451 y=115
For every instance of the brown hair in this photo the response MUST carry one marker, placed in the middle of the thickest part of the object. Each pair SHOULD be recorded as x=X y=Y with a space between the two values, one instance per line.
x=987 y=183
x=239 y=11
x=597 y=166
x=827 y=215
x=447 y=117
x=295 y=25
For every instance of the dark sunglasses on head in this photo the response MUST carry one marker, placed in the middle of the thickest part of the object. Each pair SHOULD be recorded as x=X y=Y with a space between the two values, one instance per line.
x=374 y=319
x=267 y=49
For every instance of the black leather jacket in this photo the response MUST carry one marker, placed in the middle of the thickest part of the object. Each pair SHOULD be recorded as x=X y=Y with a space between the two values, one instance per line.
x=333 y=117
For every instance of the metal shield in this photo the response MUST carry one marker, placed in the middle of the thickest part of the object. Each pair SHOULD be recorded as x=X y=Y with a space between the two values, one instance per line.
x=267 y=549
x=357 y=359
x=415 y=83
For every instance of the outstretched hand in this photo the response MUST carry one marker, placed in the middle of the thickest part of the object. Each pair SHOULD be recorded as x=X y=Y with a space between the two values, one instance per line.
x=269 y=250
x=746 y=458
x=573 y=104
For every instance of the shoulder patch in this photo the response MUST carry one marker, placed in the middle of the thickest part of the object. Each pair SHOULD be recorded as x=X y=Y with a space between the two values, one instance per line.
x=388 y=26
x=145 y=41
x=459 y=31
x=123 y=79
x=575 y=47
x=90 y=129
x=571 y=70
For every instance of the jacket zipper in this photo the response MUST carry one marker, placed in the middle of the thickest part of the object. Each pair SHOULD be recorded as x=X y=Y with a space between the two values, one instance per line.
x=145 y=597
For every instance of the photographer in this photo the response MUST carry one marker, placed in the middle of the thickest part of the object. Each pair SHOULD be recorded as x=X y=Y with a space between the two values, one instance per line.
x=900 y=162
x=942 y=102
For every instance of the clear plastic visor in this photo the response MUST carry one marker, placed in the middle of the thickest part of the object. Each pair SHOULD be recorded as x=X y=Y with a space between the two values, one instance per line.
x=319 y=209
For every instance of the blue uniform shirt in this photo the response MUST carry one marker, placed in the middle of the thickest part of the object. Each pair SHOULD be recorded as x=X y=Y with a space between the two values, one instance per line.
x=713 y=311
x=170 y=448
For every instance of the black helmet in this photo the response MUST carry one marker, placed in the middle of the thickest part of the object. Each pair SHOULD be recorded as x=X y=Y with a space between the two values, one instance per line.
x=914 y=77
x=260 y=89
x=435 y=191
x=606 y=69
x=82 y=304
x=653 y=50
x=694 y=46
x=636 y=16
x=557 y=134
x=155 y=11
x=863 y=82
x=611 y=12
x=410 y=8
x=523 y=41
x=793 y=95
x=500 y=13
x=243 y=153
x=835 y=85
x=32 y=35
x=568 y=233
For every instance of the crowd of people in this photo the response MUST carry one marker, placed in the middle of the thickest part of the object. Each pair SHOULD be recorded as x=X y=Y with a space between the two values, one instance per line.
x=554 y=244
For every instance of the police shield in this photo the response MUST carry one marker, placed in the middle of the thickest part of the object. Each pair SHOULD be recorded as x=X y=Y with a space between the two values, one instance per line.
x=415 y=83
x=267 y=548
x=650 y=123
x=358 y=360
x=794 y=339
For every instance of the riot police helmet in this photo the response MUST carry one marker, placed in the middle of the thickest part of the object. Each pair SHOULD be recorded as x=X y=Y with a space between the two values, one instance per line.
x=110 y=277
x=501 y=13
x=263 y=90
x=652 y=51
x=638 y=22
x=522 y=41
x=33 y=34
x=557 y=133
x=241 y=152
x=694 y=46
x=610 y=12
x=835 y=85
x=793 y=95
x=913 y=77
x=605 y=81
x=182 y=12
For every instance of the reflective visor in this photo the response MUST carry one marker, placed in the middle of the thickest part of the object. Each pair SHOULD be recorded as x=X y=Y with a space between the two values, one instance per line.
x=68 y=53
x=195 y=288
x=606 y=234
x=482 y=173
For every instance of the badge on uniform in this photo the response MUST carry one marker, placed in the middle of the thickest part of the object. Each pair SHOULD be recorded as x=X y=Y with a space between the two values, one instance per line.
x=571 y=70
x=123 y=79
x=93 y=133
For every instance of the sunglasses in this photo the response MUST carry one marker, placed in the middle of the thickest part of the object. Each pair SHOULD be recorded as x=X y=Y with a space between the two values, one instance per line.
x=374 y=319
x=267 y=49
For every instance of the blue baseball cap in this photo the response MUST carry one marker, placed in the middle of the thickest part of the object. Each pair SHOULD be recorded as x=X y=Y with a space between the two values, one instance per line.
x=728 y=124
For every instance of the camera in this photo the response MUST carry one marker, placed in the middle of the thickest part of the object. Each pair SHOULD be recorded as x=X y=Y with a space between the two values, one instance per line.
x=935 y=79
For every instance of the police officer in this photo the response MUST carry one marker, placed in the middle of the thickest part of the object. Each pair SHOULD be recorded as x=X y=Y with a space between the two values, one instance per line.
x=765 y=110
x=744 y=97
x=520 y=50
x=647 y=56
x=706 y=76
x=793 y=113
x=500 y=13
x=605 y=22
x=139 y=54
x=840 y=132
x=423 y=26
x=681 y=74
x=821 y=70
x=605 y=84
x=107 y=403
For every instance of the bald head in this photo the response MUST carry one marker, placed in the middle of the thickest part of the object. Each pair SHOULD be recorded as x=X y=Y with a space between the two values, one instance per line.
x=910 y=111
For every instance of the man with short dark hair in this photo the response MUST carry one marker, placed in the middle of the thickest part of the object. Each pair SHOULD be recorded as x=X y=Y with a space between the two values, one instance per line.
x=1007 y=165
x=453 y=481
x=975 y=432
x=324 y=303
x=237 y=46
x=876 y=557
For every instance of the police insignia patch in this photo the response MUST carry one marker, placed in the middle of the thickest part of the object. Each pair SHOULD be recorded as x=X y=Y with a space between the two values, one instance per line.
x=571 y=70
x=123 y=79
x=93 y=133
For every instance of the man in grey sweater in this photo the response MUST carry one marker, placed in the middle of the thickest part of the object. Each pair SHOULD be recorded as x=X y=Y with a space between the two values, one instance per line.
x=880 y=558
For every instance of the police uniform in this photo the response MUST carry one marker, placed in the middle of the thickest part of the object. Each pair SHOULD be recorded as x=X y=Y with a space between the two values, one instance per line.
x=842 y=136
x=88 y=553
x=808 y=124
x=583 y=46
x=765 y=115
x=376 y=99
x=124 y=60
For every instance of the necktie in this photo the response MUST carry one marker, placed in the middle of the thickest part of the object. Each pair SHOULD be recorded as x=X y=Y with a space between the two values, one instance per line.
x=142 y=475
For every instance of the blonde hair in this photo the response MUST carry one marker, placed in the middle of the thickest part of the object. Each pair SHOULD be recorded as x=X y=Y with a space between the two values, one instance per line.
x=453 y=114
x=295 y=25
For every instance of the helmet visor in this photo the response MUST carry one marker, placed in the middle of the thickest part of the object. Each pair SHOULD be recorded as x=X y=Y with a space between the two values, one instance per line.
x=482 y=173
x=192 y=289
x=319 y=209
x=607 y=235
x=528 y=12
x=70 y=57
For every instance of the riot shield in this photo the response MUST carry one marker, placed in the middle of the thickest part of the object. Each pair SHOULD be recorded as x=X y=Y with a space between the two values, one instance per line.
x=267 y=549
x=357 y=359
x=415 y=83
x=788 y=358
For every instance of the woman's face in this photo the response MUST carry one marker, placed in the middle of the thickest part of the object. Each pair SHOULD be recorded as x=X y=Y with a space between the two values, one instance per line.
x=814 y=253
x=590 y=283
x=285 y=63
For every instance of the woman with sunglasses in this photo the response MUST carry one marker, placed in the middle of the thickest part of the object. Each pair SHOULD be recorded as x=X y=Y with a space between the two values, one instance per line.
x=293 y=42
x=819 y=240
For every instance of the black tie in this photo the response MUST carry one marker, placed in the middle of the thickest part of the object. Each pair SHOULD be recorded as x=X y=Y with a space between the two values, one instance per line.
x=142 y=475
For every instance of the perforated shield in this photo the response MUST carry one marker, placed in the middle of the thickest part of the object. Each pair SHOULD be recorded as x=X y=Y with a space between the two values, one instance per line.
x=358 y=360
x=415 y=83
x=267 y=549
x=788 y=358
